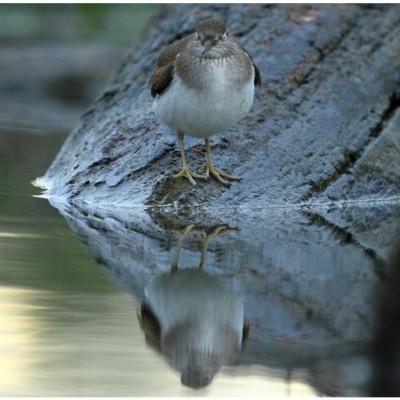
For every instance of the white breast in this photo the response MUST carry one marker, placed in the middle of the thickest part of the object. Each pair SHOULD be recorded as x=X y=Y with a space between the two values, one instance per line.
x=213 y=109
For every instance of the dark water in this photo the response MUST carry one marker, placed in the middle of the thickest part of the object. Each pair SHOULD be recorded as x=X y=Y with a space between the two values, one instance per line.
x=289 y=299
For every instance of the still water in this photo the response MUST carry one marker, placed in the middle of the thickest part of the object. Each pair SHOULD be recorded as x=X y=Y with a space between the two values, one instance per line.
x=283 y=306
x=66 y=329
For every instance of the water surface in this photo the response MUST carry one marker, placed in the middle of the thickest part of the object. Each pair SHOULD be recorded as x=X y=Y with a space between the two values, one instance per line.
x=73 y=282
x=65 y=328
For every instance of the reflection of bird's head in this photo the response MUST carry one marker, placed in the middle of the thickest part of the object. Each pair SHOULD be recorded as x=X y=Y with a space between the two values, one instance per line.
x=200 y=356
x=200 y=370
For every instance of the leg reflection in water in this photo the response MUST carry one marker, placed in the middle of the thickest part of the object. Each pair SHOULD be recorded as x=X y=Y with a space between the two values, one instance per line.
x=192 y=318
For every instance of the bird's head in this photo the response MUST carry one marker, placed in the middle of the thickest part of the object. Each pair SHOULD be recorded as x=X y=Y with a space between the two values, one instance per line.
x=213 y=39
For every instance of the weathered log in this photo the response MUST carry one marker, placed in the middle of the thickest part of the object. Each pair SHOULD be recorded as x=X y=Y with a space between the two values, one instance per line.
x=324 y=126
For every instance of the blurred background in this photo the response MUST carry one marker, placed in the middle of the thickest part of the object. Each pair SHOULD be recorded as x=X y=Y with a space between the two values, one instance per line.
x=55 y=59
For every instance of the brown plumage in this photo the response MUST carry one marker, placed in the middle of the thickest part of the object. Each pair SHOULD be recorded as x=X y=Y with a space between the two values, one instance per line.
x=163 y=74
x=257 y=74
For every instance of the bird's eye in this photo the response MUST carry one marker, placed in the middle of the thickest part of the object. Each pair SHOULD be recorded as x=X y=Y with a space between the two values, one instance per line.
x=224 y=36
x=197 y=36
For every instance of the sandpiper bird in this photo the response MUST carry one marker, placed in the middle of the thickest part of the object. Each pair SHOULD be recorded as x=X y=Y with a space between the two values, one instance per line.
x=203 y=84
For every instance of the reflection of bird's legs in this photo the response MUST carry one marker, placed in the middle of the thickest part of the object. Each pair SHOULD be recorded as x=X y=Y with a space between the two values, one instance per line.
x=217 y=230
x=182 y=236
x=186 y=172
x=218 y=174
x=207 y=236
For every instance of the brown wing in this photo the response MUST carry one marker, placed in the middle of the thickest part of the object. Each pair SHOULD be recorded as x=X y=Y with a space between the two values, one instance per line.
x=163 y=74
x=257 y=74
x=150 y=326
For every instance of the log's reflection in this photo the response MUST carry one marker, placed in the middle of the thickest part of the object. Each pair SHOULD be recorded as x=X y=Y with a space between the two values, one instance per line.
x=304 y=284
x=190 y=317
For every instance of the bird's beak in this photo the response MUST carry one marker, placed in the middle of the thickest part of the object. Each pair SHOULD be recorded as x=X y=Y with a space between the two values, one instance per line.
x=206 y=46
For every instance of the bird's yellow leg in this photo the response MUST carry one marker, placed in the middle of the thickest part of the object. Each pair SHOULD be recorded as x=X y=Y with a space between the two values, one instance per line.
x=216 y=172
x=218 y=230
x=182 y=236
x=186 y=172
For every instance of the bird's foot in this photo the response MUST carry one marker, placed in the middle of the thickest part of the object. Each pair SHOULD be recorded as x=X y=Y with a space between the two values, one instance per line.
x=220 y=175
x=189 y=175
x=220 y=230
x=183 y=233
x=227 y=176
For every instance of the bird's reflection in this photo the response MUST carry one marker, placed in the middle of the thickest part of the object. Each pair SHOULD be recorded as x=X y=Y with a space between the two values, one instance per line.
x=192 y=318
